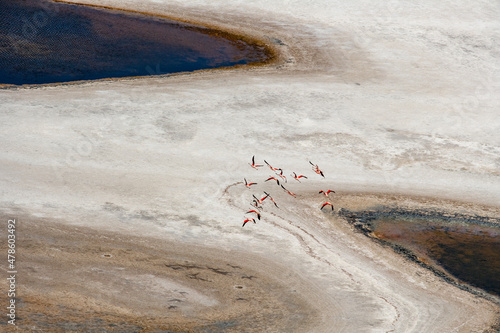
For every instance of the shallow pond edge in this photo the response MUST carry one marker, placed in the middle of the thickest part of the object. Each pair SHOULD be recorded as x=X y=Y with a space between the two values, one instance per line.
x=361 y=221
x=269 y=48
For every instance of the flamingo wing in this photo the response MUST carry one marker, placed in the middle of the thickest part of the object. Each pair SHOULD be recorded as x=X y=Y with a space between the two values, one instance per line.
x=273 y=178
x=325 y=204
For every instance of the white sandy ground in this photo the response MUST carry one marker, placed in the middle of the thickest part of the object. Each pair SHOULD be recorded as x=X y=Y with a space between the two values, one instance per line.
x=388 y=97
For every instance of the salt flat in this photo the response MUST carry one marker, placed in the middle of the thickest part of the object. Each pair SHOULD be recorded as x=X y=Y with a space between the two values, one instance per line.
x=396 y=102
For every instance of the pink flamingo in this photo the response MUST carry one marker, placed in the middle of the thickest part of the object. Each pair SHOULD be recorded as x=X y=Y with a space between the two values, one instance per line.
x=247 y=184
x=273 y=178
x=256 y=204
x=326 y=204
x=271 y=167
x=316 y=169
x=261 y=200
x=327 y=192
x=248 y=220
x=254 y=211
x=281 y=175
x=253 y=165
x=298 y=177
x=291 y=193
x=270 y=197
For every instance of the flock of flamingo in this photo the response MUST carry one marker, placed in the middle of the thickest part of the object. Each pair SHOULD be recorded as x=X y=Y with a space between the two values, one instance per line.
x=279 y=178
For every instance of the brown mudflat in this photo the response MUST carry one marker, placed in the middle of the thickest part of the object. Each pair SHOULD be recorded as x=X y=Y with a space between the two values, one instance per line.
x=72 y=279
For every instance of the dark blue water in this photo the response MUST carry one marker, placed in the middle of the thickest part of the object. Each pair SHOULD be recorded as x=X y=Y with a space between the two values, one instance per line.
x=46 y=42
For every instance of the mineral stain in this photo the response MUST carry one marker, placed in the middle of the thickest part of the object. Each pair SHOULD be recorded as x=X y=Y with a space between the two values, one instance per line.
x=48 y=42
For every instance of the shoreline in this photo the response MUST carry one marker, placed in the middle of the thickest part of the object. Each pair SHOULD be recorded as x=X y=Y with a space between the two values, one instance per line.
x=361 y=221
x=273 y=55
x=179 y=273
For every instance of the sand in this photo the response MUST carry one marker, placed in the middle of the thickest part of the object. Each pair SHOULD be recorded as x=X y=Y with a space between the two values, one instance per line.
x=396 y=103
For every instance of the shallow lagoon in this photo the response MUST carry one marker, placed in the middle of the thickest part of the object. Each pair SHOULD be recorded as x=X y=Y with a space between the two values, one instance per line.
x=466 y=247
x=469 y=252
x=47 y=42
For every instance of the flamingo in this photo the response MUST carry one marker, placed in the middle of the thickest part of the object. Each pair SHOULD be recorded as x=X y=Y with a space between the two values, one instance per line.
x=247 y=184
x=291 y=193
x=261 y=200
x=253 y=165
x=271 y=167
x=270 y=197
x=298 y=177
x=254 y=211
x=273 y=178
x=314 y=166
x=327 y=192
x=248 y=220
x=256 y=204
x=281 y=175
x=316 y=169
x=326 y=204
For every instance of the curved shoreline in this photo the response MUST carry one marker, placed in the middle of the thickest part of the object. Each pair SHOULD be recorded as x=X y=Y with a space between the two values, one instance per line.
x=361 y=220
x=184 y=286
x=270 y=53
